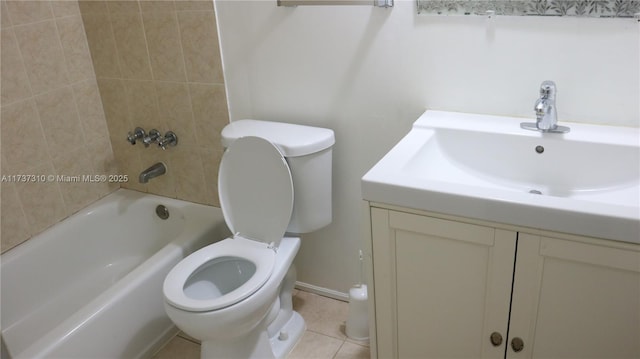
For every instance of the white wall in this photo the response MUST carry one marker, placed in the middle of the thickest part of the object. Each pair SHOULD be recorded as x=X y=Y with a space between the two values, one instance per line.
x=368 y=73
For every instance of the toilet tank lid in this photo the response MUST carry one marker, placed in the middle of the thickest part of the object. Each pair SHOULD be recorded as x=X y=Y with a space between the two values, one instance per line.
x=291 y=139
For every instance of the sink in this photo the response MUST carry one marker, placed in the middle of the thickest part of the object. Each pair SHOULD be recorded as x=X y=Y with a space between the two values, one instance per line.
x=584 y=182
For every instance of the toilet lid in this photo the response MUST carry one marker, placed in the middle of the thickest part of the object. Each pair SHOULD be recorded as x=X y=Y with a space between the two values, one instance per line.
x=256 y=190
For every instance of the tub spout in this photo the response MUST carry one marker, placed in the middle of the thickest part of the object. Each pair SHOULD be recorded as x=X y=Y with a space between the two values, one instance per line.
x=152 y=172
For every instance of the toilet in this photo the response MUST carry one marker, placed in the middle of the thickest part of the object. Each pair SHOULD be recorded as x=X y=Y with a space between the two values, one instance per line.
x=235 y=295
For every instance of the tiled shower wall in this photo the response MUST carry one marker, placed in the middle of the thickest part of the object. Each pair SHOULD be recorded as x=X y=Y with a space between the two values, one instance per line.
x=52 y=122
x=158 y=66
x=77 y=76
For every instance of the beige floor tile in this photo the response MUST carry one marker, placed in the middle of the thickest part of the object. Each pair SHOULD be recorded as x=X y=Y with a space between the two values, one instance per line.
x=363 y=343
x=323 y=315
x=179 y=348
x=350 y=350
x=324 y=338
x=314 y=345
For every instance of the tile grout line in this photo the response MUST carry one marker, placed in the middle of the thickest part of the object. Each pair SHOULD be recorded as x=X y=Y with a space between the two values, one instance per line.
x=338 y=351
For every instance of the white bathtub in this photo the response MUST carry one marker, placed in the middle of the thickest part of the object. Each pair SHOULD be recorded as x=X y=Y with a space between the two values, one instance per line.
x=91 y=286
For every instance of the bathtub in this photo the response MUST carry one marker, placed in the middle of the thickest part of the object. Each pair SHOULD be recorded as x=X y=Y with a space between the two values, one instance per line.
x=91 y=286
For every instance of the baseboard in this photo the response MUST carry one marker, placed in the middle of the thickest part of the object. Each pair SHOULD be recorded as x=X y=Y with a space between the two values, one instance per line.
x=326 y=292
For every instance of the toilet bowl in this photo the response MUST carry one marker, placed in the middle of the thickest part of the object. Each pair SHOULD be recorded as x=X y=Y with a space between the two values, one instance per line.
x=235 y=295
x=235 y=319
x=220 y=275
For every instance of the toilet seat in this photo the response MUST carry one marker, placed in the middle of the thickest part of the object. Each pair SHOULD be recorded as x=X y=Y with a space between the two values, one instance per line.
x=236 y=248
x=256 y=197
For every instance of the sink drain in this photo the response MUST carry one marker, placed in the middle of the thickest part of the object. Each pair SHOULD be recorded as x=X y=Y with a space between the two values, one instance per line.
x=535 y=191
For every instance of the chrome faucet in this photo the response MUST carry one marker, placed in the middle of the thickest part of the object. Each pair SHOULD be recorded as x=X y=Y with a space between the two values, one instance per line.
x=137 y=134
x=154 y=171
x=546 y=114
x=152 y=136
x=169 y=139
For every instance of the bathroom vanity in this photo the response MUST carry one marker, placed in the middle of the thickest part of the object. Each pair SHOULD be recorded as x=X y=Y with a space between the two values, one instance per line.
x=482 y=247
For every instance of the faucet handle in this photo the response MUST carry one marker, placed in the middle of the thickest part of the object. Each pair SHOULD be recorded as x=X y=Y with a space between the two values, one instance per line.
x=135 y=135
x=153 y=136
x=169 y=139
x=547 y=89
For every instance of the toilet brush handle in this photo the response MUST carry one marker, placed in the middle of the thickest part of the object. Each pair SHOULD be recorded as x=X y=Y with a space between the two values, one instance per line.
x=361 y=280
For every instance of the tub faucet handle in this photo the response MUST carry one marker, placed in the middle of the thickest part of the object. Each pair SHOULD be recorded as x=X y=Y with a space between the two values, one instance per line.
x=153 y=136
x=138 y=133
x=169 y=139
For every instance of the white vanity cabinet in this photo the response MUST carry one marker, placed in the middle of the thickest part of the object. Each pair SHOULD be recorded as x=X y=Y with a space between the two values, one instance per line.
x=576 y=298
x=456 y=288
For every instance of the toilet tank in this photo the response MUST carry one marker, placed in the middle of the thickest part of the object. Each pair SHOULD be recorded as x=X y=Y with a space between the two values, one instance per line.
x=308 y=152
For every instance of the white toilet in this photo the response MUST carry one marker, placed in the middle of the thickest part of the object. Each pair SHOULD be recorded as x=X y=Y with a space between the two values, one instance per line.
x=235 y=295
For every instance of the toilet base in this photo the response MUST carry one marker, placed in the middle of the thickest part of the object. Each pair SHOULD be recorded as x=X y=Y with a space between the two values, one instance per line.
x=283 y=342
x=257 y=343
x=253 y=346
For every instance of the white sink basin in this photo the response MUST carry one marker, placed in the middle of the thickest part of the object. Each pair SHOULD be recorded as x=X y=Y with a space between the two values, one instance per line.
x=584 y=182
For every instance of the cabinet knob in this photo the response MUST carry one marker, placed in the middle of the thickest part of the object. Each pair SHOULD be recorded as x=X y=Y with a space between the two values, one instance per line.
x=517 y=344
x=496 y=339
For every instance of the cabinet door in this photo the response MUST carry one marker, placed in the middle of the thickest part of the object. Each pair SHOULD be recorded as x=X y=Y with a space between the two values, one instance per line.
x=441 y=287
x=576 y=299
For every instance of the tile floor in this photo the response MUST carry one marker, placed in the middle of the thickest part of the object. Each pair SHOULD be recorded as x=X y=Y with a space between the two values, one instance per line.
x=324 y=338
